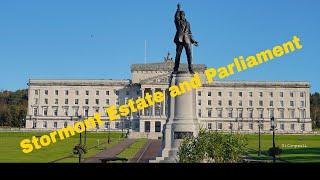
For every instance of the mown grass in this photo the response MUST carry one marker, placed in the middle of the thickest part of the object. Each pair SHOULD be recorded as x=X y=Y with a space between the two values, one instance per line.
x=11 y=152
x=309 y=153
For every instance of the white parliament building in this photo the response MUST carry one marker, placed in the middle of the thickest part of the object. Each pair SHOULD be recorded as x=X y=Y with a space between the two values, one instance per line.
x=234 y=106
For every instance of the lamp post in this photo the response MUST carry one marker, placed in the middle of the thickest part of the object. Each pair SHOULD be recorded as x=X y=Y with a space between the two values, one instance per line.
x=85 y=133
x=259 y=126
x=273 y=139
x=109 y=132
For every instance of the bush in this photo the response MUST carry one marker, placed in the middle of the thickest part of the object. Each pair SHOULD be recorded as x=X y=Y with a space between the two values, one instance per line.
x=212 y=147
x=274 y=151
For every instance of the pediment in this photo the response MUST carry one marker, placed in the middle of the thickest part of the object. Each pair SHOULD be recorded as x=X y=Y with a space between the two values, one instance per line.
x=162 y=79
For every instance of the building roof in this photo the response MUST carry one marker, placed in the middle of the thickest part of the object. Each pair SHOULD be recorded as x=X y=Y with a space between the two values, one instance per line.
x=167 y=65
x=265 y=84
x=89 y=82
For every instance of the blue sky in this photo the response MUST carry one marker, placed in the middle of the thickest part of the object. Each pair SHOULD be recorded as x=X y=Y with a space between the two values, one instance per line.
x=74 y=39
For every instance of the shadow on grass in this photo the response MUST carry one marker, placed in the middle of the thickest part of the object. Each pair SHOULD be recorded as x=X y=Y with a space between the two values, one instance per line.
x=302 y=151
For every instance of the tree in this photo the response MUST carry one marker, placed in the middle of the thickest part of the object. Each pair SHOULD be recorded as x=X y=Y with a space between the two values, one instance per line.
x=213 y=147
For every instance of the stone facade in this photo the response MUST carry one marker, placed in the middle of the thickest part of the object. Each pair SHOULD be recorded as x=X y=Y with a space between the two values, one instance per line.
x=222 y=105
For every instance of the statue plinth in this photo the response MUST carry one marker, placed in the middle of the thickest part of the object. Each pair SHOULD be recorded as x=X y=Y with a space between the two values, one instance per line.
x=182 y=120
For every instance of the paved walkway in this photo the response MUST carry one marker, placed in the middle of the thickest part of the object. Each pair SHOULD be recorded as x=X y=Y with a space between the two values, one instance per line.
x=150 y=151
x=111 y=152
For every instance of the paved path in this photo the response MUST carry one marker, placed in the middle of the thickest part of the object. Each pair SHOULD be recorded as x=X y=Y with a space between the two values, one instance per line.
x=111 y=152
x=150 y=151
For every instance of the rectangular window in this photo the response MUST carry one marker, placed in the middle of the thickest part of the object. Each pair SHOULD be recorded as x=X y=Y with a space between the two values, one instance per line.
x=251 y=126
x=36 y=92
x=282 y=127
x=199 y=102
x=292 y=103
x=199 y=113
x=87 y=93
x=97 y=93
x=35 y=111
x=46 y=92
x=86 y=101
x=291 y=94
x=240 y=103
x=76 y=101
x=281 y=104
x=107 y=93
x=240 y=94
x=271 y=104
x=45 y=111
x=291 y=112
x=250 y=94
x=240 y=114
x=281 y=113
x=301 y=94
x=66 y=112
x=219 y=112
x=199 y=93
x=55 y=112
x=209 y=93
x=301 y=103
x=303 y=127
x=251 y=103
x=36 y=100
x=55 y=125
x=66 y=92
x=292 y=127
x=66 y=101
x=271 y=113
x=260 y=113
x=45 y=124
x=117 y=93
x=230 y=102
x=76 y=111
x=77 y=93
x=56 y=101
x=107 y=101
x=220 y=103
x=46 y=101
x=220 y=126
x=230 y=94
x=97 y=101
x=281 y=94
x=209 y=113
x=250 y=113
x=260 y=103
x=209 y=125
x=209 y=103
x=220 y=94
x=230 y=113
x=56 y=92
x=261 y=94
x=271 y=94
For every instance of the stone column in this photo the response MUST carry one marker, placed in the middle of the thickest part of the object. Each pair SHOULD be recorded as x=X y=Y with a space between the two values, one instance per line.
x=164 y=102
x=154 y=106
x=143 y=111
x=182 y=120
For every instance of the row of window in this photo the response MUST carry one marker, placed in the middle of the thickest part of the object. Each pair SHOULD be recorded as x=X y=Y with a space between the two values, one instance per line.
x=250 y=103
x=302 y=113
x=240 y=127
x=77 y=92
x=76 y=101
x=250 y=94
x=118 y=125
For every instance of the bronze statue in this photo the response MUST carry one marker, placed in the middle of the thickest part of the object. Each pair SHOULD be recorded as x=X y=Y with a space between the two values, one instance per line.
x=183 y=39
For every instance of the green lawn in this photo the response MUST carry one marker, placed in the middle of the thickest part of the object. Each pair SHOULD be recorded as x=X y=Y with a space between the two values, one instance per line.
x=310 y=153
x=10 y=150
x=130 y=152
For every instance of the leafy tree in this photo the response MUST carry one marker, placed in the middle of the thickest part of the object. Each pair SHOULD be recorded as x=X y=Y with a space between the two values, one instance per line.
x=213 y=147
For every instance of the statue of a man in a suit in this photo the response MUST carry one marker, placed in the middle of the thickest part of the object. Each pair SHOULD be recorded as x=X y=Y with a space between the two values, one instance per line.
x=183 y=39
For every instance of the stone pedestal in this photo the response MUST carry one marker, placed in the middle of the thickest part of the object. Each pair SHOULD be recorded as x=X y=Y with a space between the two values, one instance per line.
x=182 y=120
